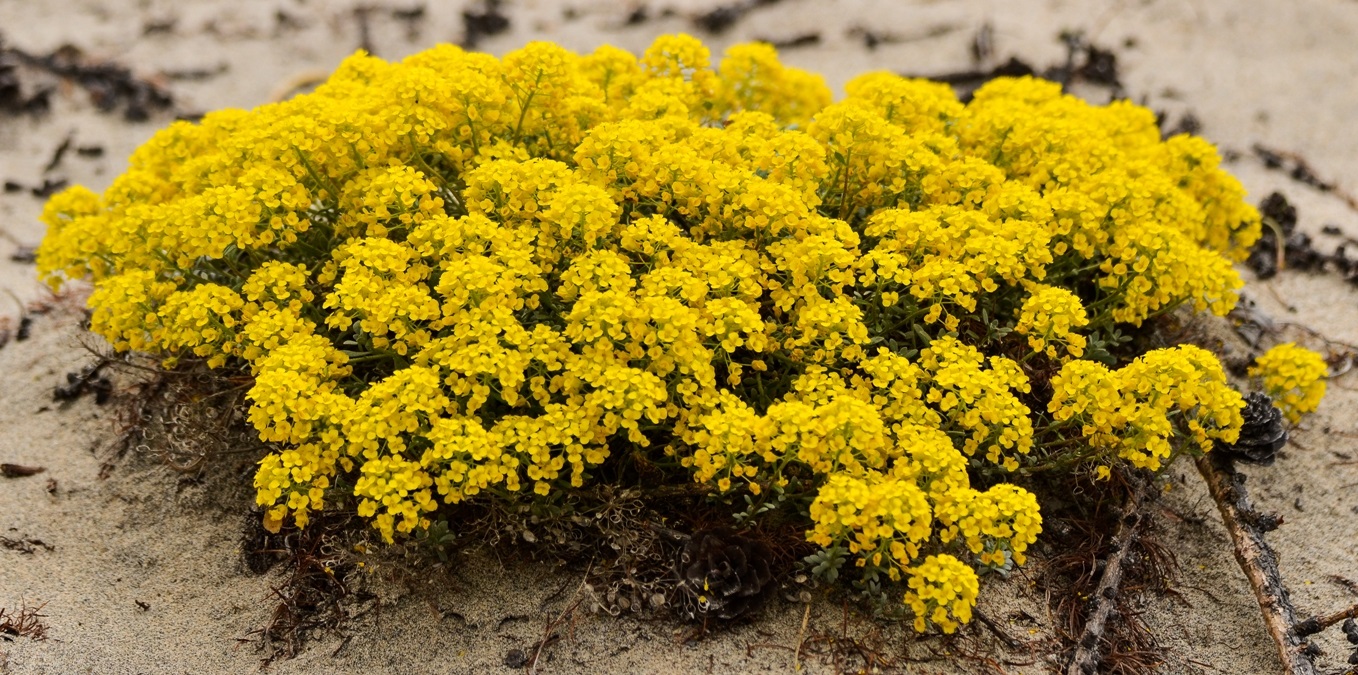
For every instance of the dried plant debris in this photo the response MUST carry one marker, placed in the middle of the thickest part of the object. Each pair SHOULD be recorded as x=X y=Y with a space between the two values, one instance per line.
x=19 y=470
x=1297 y=252
x=1293 y=164
x=1188 y=124
x=719 y=19
x=1262 y=435
x=1082 y=541
x=48 y=187
x=1301 y=171
x=317 y=592
x=966 y=82
x=482 y=21
x=260 y=549
x=111 y=86
x=88 y=379
x=1085 y=63
x=25 y=622
x=17 y=98
x=25 y=545
x=723 y=574
x=875 y=37
x=797 y=41
x=1280 y=245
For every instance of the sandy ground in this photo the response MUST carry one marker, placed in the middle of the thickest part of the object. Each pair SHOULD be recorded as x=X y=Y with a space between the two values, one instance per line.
x=144 y=573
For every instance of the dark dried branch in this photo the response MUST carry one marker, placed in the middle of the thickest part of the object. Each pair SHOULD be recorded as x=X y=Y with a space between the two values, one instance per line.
x=1257 y=560
x=19 y=470
x=1316 y=624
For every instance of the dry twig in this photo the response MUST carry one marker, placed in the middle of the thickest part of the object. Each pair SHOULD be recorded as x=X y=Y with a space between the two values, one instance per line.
x=1316 y=624
x=1257 y=560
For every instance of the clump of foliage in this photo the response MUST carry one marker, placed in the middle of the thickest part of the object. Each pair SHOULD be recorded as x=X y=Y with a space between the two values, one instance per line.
x=458 y=278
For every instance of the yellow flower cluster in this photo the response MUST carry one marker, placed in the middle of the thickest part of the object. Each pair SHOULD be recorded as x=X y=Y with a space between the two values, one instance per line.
x=1144 y=410
x=458 y=276
x=1049 y=318
x=1294 y=376
x=942 y=593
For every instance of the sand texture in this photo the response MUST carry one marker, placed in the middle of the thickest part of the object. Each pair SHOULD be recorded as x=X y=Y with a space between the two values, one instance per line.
x=140 y=568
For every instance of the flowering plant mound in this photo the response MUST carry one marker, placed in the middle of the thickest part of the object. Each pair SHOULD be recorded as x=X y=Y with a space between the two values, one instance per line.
x=466 y=278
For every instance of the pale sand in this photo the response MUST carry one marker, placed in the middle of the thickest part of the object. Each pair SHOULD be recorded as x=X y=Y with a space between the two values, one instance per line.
x=1278 y=72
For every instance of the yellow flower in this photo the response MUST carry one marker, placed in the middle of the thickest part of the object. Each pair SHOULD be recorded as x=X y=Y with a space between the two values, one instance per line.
x=1294 y=376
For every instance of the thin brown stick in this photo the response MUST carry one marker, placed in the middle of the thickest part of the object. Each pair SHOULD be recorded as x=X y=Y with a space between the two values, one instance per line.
x=1257 y=560
x=549 y=634
x=1316 y=624
x=1103 y=604
x=801 y=640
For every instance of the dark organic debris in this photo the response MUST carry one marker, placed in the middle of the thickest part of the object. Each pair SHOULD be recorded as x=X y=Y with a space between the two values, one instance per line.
x=516 y=659
x=872 y=39
x=1103 y=603
x=111 y=86
x=260 y=548
x=1293 y=164
x=19 y=470
x=1251 y=324
x=478 y=23
x=1188 y=124
x=794 y=42
x=315 y=592
x=637 y=16
x=26 y=623
x=1262 y=435
x=719 y=19
x=412 y=17
x=724 y=574
x=159 y=26
x=87 y=379
x=25 y=329
x=190 y=75
x=362 y=14
x=49 y=187
x=1280 y=223
x=966 y=82
x=26 y=545
x=24 y=254
x=983 y=43
x=1301 y=171
x=1298 y=251
x=59 y=153
x=13 y=99
x=1085 y=62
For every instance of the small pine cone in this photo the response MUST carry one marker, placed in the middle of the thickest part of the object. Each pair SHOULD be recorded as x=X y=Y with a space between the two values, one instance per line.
x=722 y=574
x=1262 y=435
